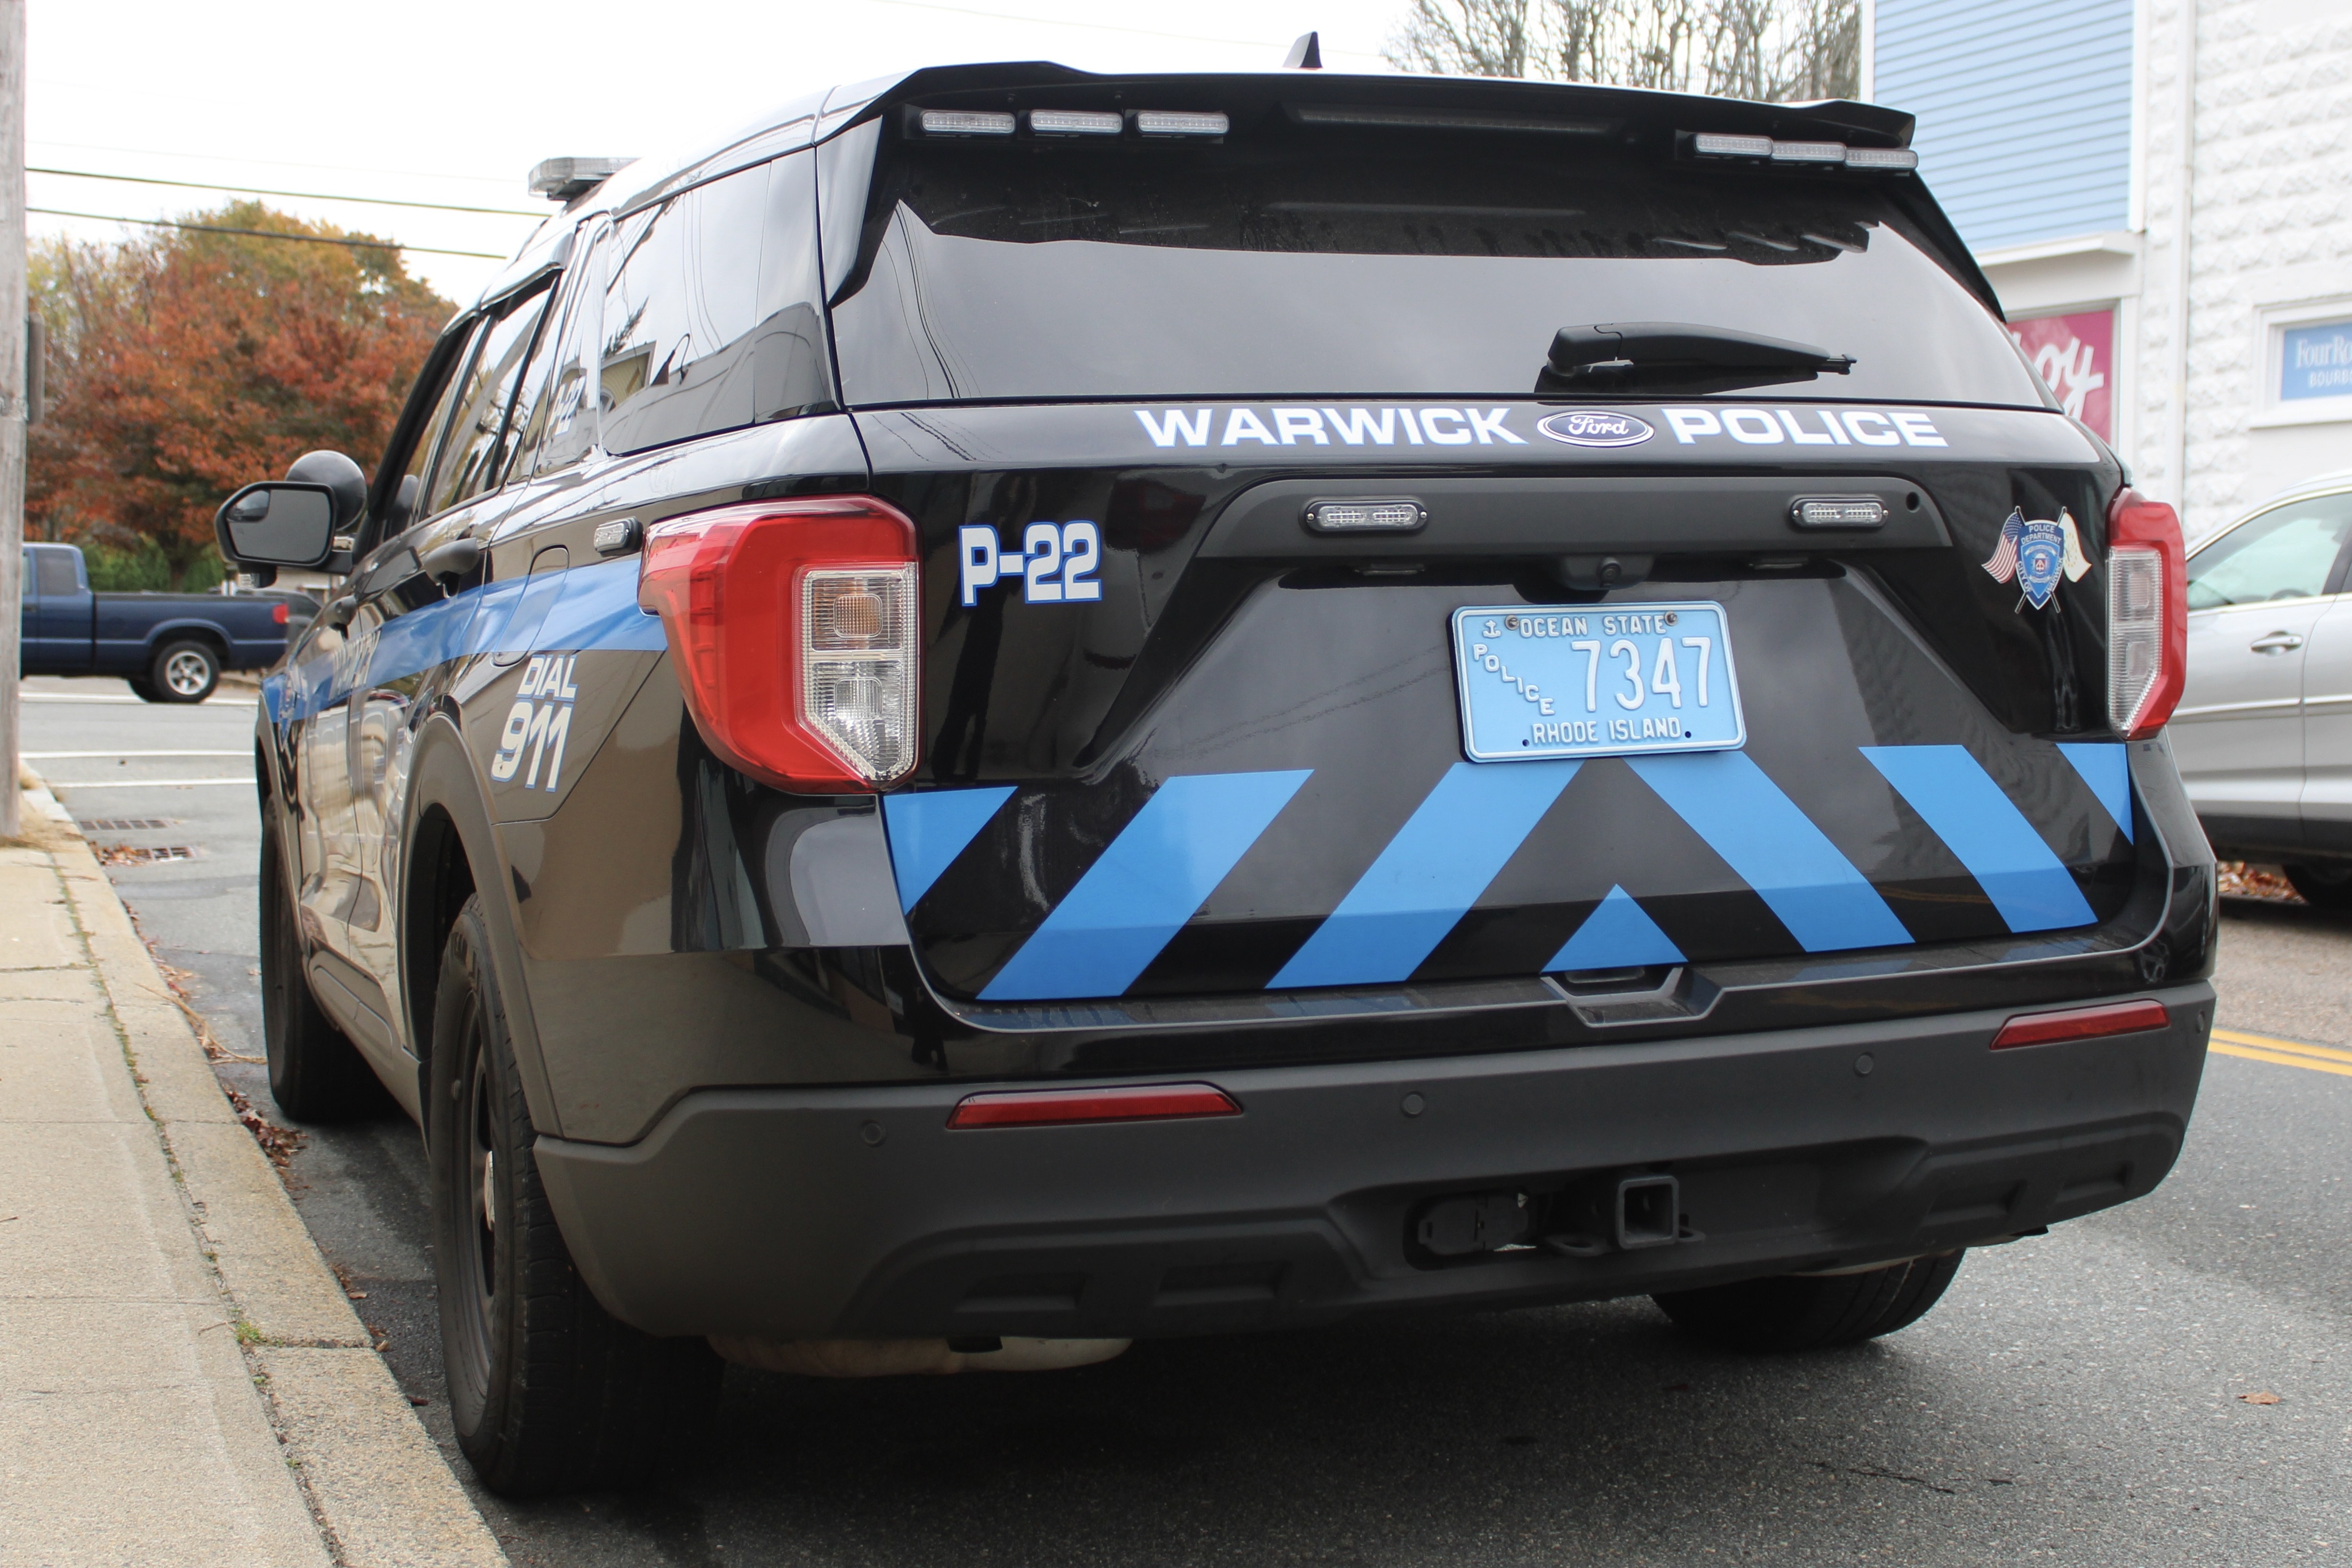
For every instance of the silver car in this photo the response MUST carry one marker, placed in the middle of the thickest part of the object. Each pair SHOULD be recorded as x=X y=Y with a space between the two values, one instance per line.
x=2263 y=732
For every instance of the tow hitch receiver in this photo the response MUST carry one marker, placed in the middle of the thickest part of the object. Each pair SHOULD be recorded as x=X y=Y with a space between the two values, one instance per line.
x=1587 y=1217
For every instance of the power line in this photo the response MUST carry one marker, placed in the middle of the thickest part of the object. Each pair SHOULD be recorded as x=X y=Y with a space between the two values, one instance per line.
x=295 y=195
x=272 y=163
x=263 y=234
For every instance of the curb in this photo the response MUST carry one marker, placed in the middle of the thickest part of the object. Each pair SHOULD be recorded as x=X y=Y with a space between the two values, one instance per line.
x=377 y=1487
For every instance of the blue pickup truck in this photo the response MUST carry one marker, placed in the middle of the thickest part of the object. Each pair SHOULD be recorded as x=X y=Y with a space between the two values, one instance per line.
x=171 y=647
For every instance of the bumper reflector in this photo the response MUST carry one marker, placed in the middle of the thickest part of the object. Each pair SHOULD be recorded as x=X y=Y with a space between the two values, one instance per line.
x=1045 y=1107
x=2082 y=1023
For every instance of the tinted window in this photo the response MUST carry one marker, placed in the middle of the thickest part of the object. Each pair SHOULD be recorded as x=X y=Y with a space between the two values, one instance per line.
x=58 y=577
x=792 y=375
x=678 y=315
x=1376 y=265
x=428 y=434
x=2285 y=553
x=551 y=420
x=468 y=464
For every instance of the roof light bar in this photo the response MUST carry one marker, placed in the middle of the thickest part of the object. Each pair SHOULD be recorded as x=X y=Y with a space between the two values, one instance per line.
x=1719 y=144
x=1074 y=122
x=1052 y=1107
x=1714 y=144
x=966 y=122
x=1180 y=123
x=1809 y=153
x=2082 y=1023
x=1901 y=159
x=561 y=179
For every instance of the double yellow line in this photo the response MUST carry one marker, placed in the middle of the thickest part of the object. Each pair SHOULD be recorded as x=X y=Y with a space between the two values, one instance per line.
x=2286 y=1052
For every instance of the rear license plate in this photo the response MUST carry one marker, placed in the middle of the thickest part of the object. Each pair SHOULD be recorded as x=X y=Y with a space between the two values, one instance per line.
x=1606 y=681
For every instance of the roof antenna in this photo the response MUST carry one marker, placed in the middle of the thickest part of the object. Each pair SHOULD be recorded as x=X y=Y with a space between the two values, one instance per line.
x=1306 y=55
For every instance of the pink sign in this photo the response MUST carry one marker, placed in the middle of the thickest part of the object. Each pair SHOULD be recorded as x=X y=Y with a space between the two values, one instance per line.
x=2075 y=354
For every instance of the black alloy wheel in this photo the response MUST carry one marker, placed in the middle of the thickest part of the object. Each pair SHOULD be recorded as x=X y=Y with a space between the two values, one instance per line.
x=2323 y=887
x=1799 y=1311
x=548 y=1392
x=184 y=671
x=316 y=1073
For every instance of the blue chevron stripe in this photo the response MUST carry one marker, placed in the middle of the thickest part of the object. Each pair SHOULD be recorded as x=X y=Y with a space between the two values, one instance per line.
x=1142 y=889
x=1430 y=875
x=1619 y=933
x=928 y=830
x=2105 y=766
x=1760 y=833
x=1959 y=801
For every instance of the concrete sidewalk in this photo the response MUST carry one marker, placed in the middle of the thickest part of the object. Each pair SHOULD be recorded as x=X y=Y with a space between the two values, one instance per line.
x=182 y=1379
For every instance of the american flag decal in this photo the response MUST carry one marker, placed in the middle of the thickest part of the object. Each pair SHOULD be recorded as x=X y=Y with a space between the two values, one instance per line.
x=2003 y=564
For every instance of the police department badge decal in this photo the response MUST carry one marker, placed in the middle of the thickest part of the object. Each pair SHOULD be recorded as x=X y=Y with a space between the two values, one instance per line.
x=2037 y=553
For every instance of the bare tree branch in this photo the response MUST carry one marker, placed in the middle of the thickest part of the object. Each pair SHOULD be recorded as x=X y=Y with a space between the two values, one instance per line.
x=1775 y=50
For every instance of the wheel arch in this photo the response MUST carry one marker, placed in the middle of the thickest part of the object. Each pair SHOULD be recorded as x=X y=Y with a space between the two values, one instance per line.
x=449 y=852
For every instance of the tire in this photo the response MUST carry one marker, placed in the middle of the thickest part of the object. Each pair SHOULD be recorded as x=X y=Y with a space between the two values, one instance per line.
x=183 y=672
x=548 y=1392
x=1793 y=1311
x=141 y=688
x=316 y=1075
x=2326 y=887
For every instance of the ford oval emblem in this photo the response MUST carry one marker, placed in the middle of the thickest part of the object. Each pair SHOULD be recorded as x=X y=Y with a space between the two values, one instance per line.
x=1597 y=428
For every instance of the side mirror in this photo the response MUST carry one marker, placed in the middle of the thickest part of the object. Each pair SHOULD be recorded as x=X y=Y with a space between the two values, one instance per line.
x=278 y=523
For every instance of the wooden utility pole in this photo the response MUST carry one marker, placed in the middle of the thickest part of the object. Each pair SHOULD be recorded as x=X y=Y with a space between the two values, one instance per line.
x=12 y=397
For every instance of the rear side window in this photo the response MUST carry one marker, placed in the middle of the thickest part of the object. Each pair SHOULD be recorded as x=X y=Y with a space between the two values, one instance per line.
x=2289 y=552
x=58 y=577
x=678 y=315
x=1371 y=263
x=469 y=463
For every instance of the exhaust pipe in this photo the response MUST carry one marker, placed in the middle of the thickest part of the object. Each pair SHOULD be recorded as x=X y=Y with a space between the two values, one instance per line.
x=912 y=1357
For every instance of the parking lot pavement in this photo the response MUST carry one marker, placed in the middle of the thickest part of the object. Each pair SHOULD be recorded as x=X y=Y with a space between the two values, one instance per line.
x=2077 y=1398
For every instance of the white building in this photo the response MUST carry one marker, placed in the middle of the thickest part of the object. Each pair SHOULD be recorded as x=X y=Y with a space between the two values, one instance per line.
x=2073 y=141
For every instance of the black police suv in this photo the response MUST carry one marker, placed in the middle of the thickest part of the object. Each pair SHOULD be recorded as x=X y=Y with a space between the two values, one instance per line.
x=1020 y=710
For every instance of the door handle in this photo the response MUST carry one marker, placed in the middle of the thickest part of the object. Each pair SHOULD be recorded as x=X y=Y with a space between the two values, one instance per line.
x=2276 y=643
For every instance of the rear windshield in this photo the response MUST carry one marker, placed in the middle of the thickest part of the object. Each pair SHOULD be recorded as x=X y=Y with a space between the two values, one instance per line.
x=1031 y=270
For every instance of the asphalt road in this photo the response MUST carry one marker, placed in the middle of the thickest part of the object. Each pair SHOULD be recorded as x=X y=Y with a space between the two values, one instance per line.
x=2075 y=1399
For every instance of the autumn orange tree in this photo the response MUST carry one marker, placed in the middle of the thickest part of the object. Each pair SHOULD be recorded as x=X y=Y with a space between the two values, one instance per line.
x=186 y=365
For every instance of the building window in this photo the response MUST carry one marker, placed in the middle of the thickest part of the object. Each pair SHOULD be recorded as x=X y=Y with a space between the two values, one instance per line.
x=2074 y=355
x=2306 y=354
x=2315 y=361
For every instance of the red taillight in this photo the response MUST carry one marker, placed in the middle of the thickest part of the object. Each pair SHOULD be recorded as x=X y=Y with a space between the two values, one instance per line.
x=2081 y=1023
x=2148 y=615
x=278 y=612
x=1045 y=1107
x=792 y=625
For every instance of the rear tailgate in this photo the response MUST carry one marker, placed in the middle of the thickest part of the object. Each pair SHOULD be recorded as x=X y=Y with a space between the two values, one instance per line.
x=1243 y=767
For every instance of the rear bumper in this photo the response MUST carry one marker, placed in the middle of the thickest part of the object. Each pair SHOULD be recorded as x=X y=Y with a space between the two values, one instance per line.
x=780 y=1212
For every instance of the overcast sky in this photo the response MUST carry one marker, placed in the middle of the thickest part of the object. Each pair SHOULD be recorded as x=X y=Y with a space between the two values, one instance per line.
x=453 y=100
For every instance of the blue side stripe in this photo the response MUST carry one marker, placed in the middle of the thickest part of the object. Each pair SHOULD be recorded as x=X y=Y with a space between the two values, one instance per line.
x=2105 y=766
x=1429 y=875
x=1760 y=833
x=1618 y=934
x=596 y=607
x=1142 y=889
x=1962 y=805
x=928 y=830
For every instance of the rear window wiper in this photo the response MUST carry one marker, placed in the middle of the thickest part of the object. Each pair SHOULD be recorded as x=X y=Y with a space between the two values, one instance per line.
x=1617 y=356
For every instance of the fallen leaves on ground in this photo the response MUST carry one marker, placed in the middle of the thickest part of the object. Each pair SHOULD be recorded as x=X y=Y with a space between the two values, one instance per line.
x=2255 y=882
x=2264 y=1397
x=278 y=1143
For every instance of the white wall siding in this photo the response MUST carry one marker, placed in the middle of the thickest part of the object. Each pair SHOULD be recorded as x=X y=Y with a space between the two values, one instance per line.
x=2024 y=111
